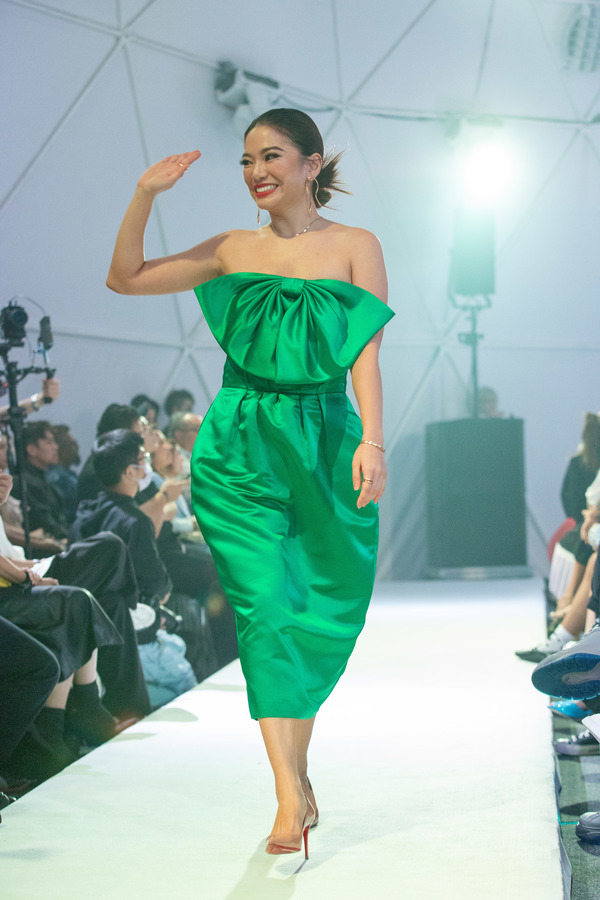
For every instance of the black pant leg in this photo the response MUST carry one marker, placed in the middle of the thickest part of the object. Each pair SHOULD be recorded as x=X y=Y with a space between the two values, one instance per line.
x=28 y=673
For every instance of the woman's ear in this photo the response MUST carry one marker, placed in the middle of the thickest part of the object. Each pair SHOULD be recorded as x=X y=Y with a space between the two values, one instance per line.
x=315 y=164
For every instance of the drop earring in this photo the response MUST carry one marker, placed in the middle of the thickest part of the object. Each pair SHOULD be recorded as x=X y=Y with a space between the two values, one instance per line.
x=317 y=204
x=258 y=216
x=309 y=192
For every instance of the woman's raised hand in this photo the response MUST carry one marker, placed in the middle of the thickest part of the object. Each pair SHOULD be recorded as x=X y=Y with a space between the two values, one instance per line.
x=163 y=175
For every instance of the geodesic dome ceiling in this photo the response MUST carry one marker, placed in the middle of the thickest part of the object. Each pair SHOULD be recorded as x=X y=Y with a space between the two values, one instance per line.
x=95 y=90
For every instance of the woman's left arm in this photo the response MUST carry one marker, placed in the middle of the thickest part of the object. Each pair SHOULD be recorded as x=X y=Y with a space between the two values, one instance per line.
x=368 y=465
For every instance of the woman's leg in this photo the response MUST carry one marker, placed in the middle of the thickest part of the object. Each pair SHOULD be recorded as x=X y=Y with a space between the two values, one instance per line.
x=87 y=673
x=304 y=730
x=280 y=737
x=574 y=620
x=570 y=590
x=58 y=697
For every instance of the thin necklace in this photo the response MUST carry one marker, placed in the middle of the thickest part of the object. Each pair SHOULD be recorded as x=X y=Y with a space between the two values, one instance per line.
x=298 y=233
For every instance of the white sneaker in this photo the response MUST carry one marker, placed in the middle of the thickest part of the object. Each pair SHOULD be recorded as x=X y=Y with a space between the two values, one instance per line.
x=592 y=723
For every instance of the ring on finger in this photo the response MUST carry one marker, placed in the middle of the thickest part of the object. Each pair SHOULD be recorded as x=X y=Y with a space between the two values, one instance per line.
x=367 y=480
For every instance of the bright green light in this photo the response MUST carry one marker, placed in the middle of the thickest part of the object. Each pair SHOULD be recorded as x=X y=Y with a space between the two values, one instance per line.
x=486 y=173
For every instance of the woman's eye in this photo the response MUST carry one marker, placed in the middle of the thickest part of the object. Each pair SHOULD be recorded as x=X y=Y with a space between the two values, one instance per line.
x=244 y=162
x=272 y=156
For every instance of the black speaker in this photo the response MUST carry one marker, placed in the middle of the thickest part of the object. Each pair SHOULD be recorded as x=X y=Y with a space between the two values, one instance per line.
x=475 y=494
x=473 y=253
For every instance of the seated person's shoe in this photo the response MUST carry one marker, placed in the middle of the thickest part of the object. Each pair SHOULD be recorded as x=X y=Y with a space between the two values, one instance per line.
x=588 y=827
x=592 y=723
x=573 y=672
x=582 y=744
x=568 y=709
x=533 y=655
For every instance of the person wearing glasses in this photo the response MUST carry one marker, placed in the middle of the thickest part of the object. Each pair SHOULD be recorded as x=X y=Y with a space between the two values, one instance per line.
x=121 y=463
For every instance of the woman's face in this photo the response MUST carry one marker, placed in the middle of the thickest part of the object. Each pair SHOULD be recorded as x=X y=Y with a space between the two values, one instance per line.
x=274 y=170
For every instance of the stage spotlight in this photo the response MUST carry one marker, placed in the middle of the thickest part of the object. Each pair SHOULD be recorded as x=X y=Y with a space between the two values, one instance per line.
x=486 y=173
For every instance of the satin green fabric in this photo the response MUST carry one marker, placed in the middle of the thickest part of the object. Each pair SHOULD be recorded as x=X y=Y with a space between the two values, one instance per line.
x=272 y=481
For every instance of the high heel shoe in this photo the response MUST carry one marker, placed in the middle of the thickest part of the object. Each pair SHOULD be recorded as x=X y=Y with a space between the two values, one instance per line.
x=310 y=796
x=292 y=843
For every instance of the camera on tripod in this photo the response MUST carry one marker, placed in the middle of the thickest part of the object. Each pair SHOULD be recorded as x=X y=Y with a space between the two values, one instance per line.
x=13 y=320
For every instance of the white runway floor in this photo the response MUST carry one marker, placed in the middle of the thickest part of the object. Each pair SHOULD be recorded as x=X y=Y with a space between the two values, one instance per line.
x=432 y=767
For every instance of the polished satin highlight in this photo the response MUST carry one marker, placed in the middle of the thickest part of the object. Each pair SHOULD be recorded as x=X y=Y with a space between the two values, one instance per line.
x=272 y=481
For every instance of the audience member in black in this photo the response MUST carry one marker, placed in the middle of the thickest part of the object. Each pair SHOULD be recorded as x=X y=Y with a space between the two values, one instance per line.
x=152 y=500
x=116 y=415
x=178 y=400
x=69 y=622
x=582 y=469
x=120 y=463
x=101 y=564
x=28 y=674
x=62 y=477
x=146 y=407
x=44 y=502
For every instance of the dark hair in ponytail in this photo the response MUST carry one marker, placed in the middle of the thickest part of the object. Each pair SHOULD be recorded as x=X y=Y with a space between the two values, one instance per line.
x=300 y=129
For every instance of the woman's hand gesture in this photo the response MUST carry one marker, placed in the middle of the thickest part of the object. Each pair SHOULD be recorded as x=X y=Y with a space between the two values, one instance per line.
x=163 y=175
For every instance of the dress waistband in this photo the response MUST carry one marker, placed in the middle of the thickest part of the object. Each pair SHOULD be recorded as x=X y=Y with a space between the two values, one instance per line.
x=236 y=377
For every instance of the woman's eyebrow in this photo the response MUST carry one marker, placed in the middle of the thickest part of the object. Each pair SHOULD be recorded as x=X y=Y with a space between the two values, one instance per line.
x=264 y=150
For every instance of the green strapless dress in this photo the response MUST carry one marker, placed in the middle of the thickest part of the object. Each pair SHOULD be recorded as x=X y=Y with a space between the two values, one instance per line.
x=272 y=481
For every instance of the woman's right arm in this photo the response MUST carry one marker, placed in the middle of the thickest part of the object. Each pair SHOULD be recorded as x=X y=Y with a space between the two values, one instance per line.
x=130 y=272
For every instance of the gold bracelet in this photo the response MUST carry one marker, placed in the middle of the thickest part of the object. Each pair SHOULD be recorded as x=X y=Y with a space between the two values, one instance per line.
x=373 y=444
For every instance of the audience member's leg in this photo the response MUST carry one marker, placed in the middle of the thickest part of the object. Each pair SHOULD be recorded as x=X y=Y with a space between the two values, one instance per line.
x=28 y=673
x=574 y=620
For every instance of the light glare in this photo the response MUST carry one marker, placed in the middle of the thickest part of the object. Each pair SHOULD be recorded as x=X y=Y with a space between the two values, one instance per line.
x=487 y=171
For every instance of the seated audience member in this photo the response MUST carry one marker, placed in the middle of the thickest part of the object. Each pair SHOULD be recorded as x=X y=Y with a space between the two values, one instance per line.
x=194 y=573
x=102 y=566
x=120 y=463
x=184 y=428
x=572 y=607
x=69 y=622
x=116 y=415
x=154 y=502
x=167 y=463
x=12 y=518
x=147 y=408
x=61 y=476
x=44 y=502
x=178 y=400
x=581 y=472
x=160 y=564
x=48 y=394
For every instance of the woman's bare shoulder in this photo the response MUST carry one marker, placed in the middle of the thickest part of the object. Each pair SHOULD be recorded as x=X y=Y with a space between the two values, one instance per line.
x=358 y=237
